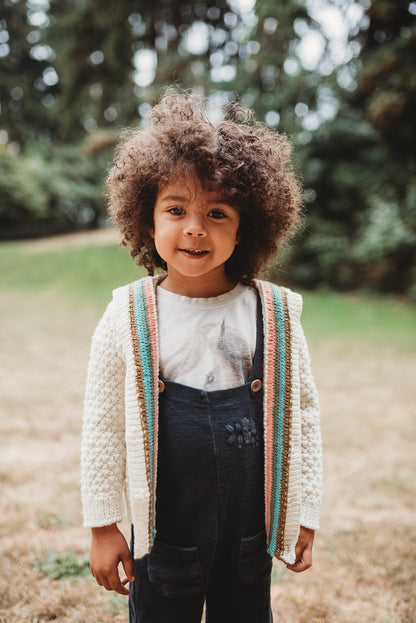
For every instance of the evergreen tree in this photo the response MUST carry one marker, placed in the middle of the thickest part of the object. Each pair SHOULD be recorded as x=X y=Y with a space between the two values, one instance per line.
x=359 y=168
x=94 y=64
x=272 y=78
x=27 y=78
x=386 y=90
x=114 y=57
x=386 y=94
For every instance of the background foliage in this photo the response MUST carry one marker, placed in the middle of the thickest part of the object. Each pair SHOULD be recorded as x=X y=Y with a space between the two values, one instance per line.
x=73 y=72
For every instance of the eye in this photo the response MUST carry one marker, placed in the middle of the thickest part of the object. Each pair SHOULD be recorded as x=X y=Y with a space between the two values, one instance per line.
x=176 y=211
x=217 y=214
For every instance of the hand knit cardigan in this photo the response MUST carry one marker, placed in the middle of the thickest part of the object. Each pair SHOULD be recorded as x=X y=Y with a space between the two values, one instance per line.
x=120 y=431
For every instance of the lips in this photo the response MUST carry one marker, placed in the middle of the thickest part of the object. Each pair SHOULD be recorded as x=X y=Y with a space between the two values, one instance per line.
x=194 y=252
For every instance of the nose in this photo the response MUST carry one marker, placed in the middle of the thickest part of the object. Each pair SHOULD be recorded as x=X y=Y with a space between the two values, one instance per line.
x=195 y=229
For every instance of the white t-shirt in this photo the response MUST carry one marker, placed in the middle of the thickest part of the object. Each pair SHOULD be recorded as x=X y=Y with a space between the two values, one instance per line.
x=207 y=343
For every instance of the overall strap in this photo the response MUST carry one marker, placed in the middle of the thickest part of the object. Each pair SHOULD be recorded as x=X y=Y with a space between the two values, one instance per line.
x=257 y=368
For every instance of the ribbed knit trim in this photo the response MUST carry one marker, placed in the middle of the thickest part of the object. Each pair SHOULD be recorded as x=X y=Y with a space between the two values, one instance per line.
x=138 y=493
x=141 y=391
x=144 y=336
x=276 y=457
x=104 y=512
x=294 y=309
x=309 y=516
x=287 y=419
x=281 y=421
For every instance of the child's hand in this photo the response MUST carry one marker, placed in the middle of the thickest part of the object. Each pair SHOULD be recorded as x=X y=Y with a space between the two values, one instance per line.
x=108 y=548
x=303 y=551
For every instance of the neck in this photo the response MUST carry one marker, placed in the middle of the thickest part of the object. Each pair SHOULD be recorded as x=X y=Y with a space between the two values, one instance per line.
x=192 y=287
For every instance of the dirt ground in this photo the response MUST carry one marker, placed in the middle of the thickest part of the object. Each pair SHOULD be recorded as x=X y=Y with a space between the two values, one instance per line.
x=365 y=553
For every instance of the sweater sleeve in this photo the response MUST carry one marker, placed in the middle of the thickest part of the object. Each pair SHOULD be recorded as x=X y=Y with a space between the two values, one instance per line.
x=311 y=478
x=103 y=438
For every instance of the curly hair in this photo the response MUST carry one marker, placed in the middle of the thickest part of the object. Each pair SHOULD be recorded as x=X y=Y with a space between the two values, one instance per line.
x=246 y=160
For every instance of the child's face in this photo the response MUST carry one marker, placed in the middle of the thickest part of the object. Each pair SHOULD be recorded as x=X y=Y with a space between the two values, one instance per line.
x=195 y=232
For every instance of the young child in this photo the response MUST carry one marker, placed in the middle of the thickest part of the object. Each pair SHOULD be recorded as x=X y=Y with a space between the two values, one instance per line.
x=200 y=403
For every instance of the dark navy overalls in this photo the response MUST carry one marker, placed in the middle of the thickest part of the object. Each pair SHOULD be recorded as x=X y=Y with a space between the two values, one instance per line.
x=210 y=542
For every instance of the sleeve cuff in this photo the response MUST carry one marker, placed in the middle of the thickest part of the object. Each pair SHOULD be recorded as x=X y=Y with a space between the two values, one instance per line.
x=100 y=512
x=309 y=516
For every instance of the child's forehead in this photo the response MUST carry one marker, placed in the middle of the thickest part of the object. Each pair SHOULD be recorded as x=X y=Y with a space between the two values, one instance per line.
x=189 y=185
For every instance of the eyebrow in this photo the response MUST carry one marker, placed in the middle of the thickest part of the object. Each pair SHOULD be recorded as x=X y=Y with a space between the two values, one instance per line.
x=174 y=198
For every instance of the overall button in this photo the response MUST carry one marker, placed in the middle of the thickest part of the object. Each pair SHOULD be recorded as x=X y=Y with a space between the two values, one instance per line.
x=161 y=386
x=256 y=386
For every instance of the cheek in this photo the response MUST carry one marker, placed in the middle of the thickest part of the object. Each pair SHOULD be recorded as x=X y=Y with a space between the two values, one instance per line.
x=152 y=225
x=160 y=231
x=161 y=248
x=163 y=239
x=156 y=227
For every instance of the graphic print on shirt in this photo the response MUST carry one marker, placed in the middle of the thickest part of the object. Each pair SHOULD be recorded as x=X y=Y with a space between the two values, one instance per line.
x=220 y=350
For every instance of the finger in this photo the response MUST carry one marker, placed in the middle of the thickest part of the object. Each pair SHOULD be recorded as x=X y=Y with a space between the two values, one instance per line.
x=307 y=557
x=103 y=581
x=301 y=565
x=106 y=579
x=298 y=551
x=117 y=586
x=296 y=568
x=128 y=566
x=97 y=578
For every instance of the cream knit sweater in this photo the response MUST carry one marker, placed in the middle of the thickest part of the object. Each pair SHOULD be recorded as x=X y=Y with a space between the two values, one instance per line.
x=119 y=444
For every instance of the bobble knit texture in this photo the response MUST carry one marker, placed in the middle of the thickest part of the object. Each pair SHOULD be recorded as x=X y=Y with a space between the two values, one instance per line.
x=104 y=427
x=119 y=447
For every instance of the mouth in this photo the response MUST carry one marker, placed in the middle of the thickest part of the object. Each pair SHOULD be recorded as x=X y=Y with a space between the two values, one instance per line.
x=194 y=252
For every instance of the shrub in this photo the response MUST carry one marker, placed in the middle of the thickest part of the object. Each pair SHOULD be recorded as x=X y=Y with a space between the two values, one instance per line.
x=50 y=189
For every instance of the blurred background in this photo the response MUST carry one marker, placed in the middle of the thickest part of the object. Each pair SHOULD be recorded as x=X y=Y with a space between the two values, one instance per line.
x=338 y=76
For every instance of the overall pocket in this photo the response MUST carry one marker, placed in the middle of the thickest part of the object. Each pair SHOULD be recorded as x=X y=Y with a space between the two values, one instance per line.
x=175 y=571
x=254 y=563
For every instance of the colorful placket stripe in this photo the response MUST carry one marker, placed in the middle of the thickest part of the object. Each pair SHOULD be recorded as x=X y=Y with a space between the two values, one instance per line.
x=287 y=424
x=150 y=287
x=144 y=339
x=269 y=373
x=277 y=415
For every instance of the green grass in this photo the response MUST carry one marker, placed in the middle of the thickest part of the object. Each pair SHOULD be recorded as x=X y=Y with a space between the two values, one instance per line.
x=378 y=320
x=87 y=273
x=87 y=276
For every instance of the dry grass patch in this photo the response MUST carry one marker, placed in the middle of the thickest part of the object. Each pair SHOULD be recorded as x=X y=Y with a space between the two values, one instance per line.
x=365 y=553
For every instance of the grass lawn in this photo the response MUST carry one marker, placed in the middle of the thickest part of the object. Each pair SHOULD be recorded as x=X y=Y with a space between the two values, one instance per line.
x=364 y=360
